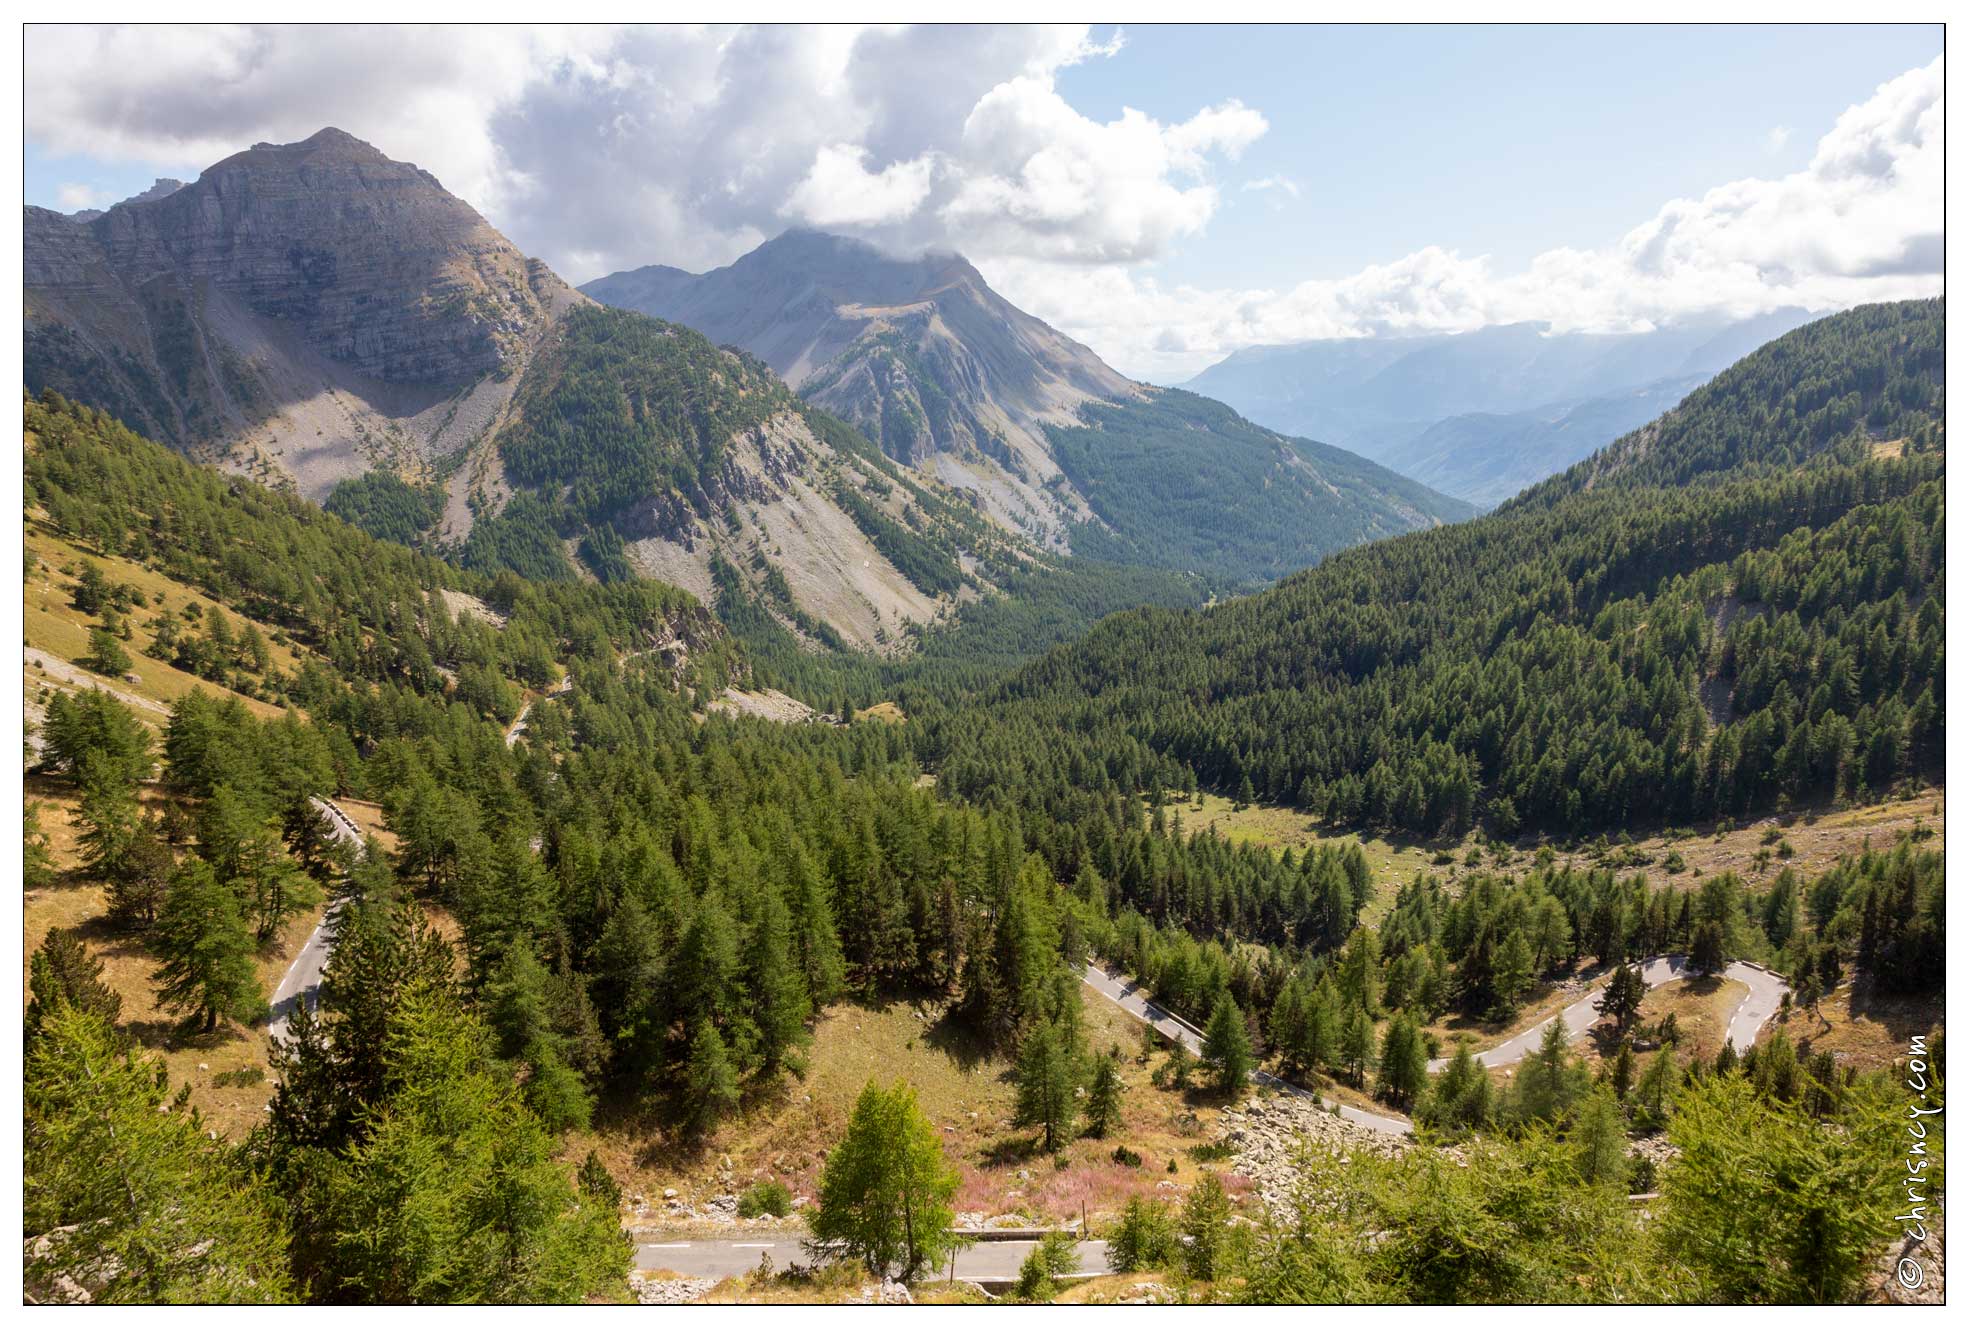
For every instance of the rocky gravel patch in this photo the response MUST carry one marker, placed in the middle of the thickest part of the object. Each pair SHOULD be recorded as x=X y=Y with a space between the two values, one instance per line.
x=888 y=1293
x=669 y=1291
x=1267 y=1135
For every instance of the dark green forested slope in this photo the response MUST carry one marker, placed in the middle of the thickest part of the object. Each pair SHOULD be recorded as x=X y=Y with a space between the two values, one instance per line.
x=1870 y=375
x=1180 y=481
x=621 y=407
x=1627 y=651
x=387 y=506
x=627 y=427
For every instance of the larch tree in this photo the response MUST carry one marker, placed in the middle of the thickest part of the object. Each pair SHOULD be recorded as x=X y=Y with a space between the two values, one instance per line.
x=1227 y=1046
x=886 y=1189
x=205 y=952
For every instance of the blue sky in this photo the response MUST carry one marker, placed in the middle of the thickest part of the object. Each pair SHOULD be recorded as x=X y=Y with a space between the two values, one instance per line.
x=1500 y=140
x=1418 y=178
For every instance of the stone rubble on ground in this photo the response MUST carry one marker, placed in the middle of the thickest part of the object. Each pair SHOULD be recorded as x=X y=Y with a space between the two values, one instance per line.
x=890 y=1293
x=669 y=1291
x=1655 y=1148
x=1268 y=1133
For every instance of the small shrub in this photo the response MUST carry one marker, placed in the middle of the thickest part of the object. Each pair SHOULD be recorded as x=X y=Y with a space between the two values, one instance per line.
x=1640 y=1175
x=1053 y=1258
x=240 y=1078
x=1125 y=1156
x=765 y=1197
x=1215 y=1152
x=1145 y=1238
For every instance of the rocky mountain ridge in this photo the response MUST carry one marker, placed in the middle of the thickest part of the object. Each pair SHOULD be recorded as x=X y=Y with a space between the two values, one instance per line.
x=305 y=310
x=920 y=353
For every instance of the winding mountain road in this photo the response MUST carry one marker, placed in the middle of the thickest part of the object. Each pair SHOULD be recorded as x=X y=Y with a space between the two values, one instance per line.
x=303 y=977
x=1132 y=997
x=1752 y=1013
x=1757 y=1007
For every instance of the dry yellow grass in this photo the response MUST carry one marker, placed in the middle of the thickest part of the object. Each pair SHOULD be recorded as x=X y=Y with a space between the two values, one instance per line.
x=1861 y=1029
x=967 y=1093
x=1818 y=836
x=195 y=1059
x=50 y=622
x=1702 y=1008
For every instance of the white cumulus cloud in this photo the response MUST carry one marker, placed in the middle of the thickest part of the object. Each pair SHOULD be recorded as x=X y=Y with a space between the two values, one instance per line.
x=1862 y=222
x=598 y=148
x=840 y=190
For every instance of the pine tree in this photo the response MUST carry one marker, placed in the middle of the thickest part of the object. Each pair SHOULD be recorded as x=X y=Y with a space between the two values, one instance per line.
x=485 y=1215
x=37 y=865
x=1765 y=1205
x=1227 y=1046
x=710 y=1083
x=1104 y=1096
x=1205 y=1214
x=1404 y=1069
x=109 y=816
x=1706 y=951
x=206 y=954
x=1513 y=976
x=1460 y=1098
x=106 y=654
x=598 y=1183
x=1319 y=1045
x=1549 y=1081
x=1175 y=1071
x=1621 y=1000
x=62 y=973
x=140 y=876
x=1357 y=1047
x=706 y=970
x=1620 y=1078
x=91 y=589
x=1047 y=1080
x=777 y=988
x=91 y=733
x=1599 y=1141
x=137 y=1205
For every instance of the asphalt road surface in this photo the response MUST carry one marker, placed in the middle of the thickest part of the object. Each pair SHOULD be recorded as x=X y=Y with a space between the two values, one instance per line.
x=303 y=978
x=723 y=1259
x=1126 y=993
x=1758 y=1006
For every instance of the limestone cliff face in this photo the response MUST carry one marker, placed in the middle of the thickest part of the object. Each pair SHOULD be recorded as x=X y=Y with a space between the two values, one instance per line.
x=369 y=259
x=920 y=353
x=308 y=308
x=310 y=311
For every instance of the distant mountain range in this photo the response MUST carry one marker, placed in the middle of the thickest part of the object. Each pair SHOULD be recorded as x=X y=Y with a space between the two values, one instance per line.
x=320 y=316
x=928 y=360
x=1482 y=414
x=949 y=377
